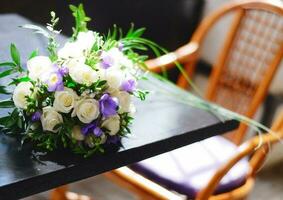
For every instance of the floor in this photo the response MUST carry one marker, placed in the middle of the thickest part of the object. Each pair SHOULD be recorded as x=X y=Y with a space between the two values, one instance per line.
x=269 y=186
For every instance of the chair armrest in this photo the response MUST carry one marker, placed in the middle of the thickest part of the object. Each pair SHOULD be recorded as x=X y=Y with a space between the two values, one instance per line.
x=185 y=53
x=246 y=149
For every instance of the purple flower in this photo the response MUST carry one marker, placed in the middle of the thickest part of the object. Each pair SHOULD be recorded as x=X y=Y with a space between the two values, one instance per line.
x=128 y=85
x=107 y=60
x=36 y=116
x=108 y=105
x=97 y=131
x=92 y=128
x=63 y=70
x=120 y=46
x=113 y=139
x=87 y=128
x=55 y=81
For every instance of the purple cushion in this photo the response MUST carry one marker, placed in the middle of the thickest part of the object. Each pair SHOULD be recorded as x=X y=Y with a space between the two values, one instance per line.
x=188 y=169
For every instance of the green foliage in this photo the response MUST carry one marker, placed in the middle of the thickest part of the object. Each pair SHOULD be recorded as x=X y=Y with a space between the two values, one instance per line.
x=15 y=54
x=141 y=94
x=126 y=121
x=33 y=54
x=7 y=103
x=80 y=20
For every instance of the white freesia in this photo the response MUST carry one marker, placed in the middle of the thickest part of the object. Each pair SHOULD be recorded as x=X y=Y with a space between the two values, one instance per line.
x=86 y=110
x=70 y=50
x=103 y=139
x=83 y=74
x=124 y=99
x=112 y=124
x=79 y=47
x=22 y=90
x=86 y=40
x=77 y=133
x=50 y=118
x=74 y=62
x=65 y=100
x=38 y=66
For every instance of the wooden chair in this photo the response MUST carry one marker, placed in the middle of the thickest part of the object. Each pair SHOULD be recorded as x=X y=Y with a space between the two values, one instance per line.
x=239 y=81
x=257 y=147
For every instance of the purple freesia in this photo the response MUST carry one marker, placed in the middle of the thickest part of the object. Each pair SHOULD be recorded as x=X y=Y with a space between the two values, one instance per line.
x=55 y=81
x=36 y=116
x=108 y=105
x=63 y=70
x=87 y=128
x=113 y=139
x=106 y=61
x=92 y=128
x=97 y=131
x=120 y=46
x=128 y=85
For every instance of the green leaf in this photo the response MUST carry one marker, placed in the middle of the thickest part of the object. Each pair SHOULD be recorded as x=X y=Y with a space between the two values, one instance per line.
x=3 y=90
x=33 y=54
x=15 y=54
x=6 y=64
x=7 y=104
x=19 y=80
x=6 y=73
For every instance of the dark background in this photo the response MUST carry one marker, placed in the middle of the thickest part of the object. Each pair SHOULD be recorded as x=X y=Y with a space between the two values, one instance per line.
x=168 y=22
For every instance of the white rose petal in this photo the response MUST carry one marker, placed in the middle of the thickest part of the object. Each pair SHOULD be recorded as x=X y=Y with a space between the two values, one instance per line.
x=86 y=110
x=112 y=124
x=124 y=99
x=77 y=133
x=65 y=100
x=22 y=90
x=114 y=78
x=83 y=74
x=38 y=66
x=50 y=118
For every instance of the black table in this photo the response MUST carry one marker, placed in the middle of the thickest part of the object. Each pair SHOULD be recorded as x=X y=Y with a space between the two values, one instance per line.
x=161 y=124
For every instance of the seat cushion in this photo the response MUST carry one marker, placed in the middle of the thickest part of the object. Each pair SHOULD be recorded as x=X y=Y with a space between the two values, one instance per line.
x=189 y=169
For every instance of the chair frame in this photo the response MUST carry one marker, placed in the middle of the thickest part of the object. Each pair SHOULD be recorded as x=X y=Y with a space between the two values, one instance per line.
x=188 y=55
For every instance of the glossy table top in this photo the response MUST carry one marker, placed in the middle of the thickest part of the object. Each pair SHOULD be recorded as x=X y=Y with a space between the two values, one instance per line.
x=161 y=124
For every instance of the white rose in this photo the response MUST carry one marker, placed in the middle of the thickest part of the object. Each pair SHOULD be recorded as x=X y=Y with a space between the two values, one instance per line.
x=22 y=90
x=86 y=110
x=50 y=118
x=65 y=100
x=37 y=66
x=83 y=74
x=77 y=133
x=124 y=99
x=114 y=78
x=112 y=124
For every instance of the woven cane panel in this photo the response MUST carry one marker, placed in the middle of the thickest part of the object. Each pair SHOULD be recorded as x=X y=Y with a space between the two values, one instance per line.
x=254 y=47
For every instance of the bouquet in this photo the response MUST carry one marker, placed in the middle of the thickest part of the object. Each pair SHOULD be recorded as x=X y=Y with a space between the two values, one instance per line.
x=80 y=96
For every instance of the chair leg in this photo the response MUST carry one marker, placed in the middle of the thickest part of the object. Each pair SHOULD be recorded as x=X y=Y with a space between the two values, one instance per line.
x=62 y=193
x=59 y=193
